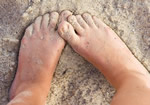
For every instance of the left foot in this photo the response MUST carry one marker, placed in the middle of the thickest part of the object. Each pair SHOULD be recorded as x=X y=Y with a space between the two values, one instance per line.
x=40 y=50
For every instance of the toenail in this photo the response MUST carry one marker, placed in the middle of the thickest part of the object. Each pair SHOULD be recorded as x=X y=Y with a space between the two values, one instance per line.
x=30 y=33
x=79 y=18
x=66 y=12
x=54 y=13
x=53 y=17
x=71 y=18
x=46 y=14
x=85 y=15
x=64 y=29
x=29 y=30
x=94 y=17
x=61 y=31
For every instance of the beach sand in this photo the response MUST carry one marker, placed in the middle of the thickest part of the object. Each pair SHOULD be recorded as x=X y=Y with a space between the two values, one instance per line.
x=75 y=82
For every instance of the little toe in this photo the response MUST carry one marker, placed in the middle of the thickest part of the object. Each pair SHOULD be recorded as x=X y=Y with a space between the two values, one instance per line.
x=98 y=22
x=81 y=21
x=67 y=32
x=45 y=21
x=73 y=21
x=37 y=23
x=64 y=15
x=53 y=20
x=88 y=19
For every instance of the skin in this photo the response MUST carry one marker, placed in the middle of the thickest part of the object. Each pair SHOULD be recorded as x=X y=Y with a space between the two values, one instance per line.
x=93 y=40
x=101 y=46
x=39 y=53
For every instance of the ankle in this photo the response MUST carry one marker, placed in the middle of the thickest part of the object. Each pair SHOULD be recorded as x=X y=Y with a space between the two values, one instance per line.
x=32 y=88
x=32 y=96
x=134 y=80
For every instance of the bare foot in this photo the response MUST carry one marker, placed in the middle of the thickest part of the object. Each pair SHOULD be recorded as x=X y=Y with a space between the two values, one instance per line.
x=40 y=50
x=100 y=45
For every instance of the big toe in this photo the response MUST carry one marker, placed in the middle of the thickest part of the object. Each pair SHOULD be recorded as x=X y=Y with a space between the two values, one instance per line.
x=67 y=32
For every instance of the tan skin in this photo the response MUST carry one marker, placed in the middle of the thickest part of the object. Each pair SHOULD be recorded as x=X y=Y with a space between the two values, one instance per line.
x=95 y=41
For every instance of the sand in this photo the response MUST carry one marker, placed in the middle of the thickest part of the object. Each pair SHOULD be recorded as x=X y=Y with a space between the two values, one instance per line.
x=75 y=82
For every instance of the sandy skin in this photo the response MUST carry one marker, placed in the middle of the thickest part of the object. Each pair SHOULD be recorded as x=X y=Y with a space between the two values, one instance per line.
x=41 y=48
x=100 y=45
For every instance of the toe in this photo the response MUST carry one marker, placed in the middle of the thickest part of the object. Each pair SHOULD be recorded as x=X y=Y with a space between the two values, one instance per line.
x=45 y=21
x=28 y=34
x=88 y=18
x=53 y=20
x=64 y=15
x=37 y=24
x=29 y=31
x=98 y=22
x=73 y=21
x=67 y=32
x=81 y=21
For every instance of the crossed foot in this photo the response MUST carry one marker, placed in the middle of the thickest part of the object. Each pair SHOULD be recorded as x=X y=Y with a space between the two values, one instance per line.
x=43 y=43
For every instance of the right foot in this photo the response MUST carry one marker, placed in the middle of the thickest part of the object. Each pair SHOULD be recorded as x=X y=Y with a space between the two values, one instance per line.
x=100 y=45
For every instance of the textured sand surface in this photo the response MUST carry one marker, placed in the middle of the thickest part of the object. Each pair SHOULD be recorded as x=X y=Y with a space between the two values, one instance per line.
x=76 y=82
